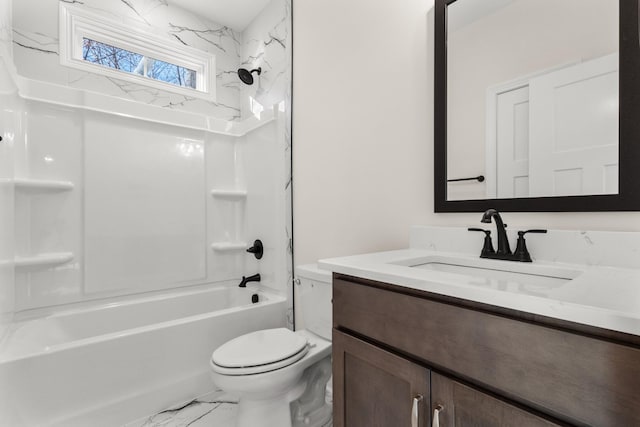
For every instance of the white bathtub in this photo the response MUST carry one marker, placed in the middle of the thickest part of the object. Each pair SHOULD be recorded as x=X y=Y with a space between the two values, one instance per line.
x=117 y=362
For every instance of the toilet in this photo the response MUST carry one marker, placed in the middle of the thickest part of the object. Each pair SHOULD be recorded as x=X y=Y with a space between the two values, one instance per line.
x=271 y=369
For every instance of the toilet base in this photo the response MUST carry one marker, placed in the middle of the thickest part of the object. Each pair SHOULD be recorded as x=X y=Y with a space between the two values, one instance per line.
x=260 y=413
x=273 y=411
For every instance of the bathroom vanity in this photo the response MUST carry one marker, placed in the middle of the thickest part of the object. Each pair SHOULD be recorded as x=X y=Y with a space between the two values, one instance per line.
x=483 y=366
x=416 y=345
x=435 y=334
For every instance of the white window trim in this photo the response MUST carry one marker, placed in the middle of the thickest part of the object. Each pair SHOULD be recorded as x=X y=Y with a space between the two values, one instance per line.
x=77 y=24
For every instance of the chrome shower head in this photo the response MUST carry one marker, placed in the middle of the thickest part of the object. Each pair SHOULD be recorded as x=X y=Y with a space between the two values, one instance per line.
x=247 y=76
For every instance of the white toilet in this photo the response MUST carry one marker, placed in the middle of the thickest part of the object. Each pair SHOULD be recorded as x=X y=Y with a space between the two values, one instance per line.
x=268 y=369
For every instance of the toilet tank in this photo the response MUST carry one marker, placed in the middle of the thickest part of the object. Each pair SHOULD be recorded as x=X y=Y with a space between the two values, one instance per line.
x=314 y=299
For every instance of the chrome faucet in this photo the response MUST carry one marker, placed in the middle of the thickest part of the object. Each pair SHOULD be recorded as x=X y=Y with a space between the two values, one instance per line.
x=503 y=240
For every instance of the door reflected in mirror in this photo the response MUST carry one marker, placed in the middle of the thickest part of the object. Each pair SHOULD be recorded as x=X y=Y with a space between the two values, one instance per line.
x=532 y=98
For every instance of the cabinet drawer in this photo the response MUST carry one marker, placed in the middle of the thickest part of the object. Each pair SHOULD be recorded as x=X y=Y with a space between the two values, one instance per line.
x=570 y=376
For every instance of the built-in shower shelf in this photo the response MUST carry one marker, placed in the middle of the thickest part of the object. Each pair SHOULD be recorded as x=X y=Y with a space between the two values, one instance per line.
x=42 y=185
x=229 y=194
x=229 y=246
x=43 y=260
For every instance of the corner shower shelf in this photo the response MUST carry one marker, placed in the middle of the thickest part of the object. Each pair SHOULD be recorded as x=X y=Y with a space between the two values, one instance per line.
x=41 y=185
x=43 y=260
x=229 y=246
x=230 y=194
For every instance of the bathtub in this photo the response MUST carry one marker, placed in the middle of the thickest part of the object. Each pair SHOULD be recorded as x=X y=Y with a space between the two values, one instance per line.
x=113 y=363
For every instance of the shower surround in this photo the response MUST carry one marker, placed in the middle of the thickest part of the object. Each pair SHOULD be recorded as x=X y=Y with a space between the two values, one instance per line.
x=112 y=192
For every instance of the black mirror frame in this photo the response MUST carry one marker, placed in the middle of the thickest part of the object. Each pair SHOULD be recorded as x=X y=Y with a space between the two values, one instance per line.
x=628 y=198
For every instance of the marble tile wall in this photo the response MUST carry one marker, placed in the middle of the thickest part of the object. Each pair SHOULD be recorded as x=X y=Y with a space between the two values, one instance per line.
x=267 y=44
x=36 y=50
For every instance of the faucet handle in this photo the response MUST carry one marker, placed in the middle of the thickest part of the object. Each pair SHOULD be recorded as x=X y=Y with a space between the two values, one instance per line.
x=522 y=253
x=257 y=249
x=487 y=232
x=522 y=233
x=487 y=248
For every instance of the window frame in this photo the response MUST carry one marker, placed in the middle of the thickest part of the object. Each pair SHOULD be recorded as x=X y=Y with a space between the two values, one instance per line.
x=77 y=24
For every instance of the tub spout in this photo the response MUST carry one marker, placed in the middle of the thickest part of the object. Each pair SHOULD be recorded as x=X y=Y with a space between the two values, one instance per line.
x=245 y=280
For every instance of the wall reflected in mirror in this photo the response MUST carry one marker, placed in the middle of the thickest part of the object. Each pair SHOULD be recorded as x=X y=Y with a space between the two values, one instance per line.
x=532 y=98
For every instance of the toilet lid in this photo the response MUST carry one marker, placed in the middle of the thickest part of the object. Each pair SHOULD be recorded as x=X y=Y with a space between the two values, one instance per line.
x=259 y=348
x=261 y=369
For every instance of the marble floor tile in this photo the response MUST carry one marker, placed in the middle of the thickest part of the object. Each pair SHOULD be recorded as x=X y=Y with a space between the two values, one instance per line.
x=217 y=409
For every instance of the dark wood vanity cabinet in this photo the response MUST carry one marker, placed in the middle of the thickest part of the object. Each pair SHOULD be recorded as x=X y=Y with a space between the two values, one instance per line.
x=484 y=368
x=376 y=388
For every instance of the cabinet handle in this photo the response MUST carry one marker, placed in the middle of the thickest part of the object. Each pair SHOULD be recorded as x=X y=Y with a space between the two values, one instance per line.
x=415 y=410
x=436 y=416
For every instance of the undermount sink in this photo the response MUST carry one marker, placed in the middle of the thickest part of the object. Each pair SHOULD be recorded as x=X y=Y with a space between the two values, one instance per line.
x=501 y=275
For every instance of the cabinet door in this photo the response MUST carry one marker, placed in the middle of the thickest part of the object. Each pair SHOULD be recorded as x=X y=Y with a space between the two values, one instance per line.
x=454 y=404
x=374 y=388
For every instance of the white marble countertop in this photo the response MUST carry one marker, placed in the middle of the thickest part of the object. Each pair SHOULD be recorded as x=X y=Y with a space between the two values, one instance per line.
x=598 y=295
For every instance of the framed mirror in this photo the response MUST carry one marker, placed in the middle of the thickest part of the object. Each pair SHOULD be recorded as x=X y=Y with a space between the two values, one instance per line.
x=537 y=105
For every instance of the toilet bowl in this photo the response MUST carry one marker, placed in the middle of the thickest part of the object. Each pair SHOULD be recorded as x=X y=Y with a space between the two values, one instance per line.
x=265 y=368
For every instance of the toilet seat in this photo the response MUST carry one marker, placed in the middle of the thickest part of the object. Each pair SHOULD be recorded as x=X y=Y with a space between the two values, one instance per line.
x=260 y=369
x=259 y=352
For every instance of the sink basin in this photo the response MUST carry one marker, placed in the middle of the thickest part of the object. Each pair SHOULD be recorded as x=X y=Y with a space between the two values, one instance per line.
x=533 y=279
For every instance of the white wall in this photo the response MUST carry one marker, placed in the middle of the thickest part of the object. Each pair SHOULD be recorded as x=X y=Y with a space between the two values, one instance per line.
x=261 y=155
x=8 y=122
x=140 y=216
x=5 y=27
x=8 y=125
x=363 y=131
x=360 y=125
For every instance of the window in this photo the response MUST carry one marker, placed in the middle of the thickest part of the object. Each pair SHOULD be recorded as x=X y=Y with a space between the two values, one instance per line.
x=91 y=43
x=130 y=62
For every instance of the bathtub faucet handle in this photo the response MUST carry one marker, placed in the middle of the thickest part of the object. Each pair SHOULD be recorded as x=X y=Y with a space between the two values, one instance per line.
x=257 y=249
x=245 y=280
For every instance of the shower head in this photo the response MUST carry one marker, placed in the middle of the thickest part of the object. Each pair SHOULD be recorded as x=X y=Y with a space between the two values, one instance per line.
x=246 y=75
